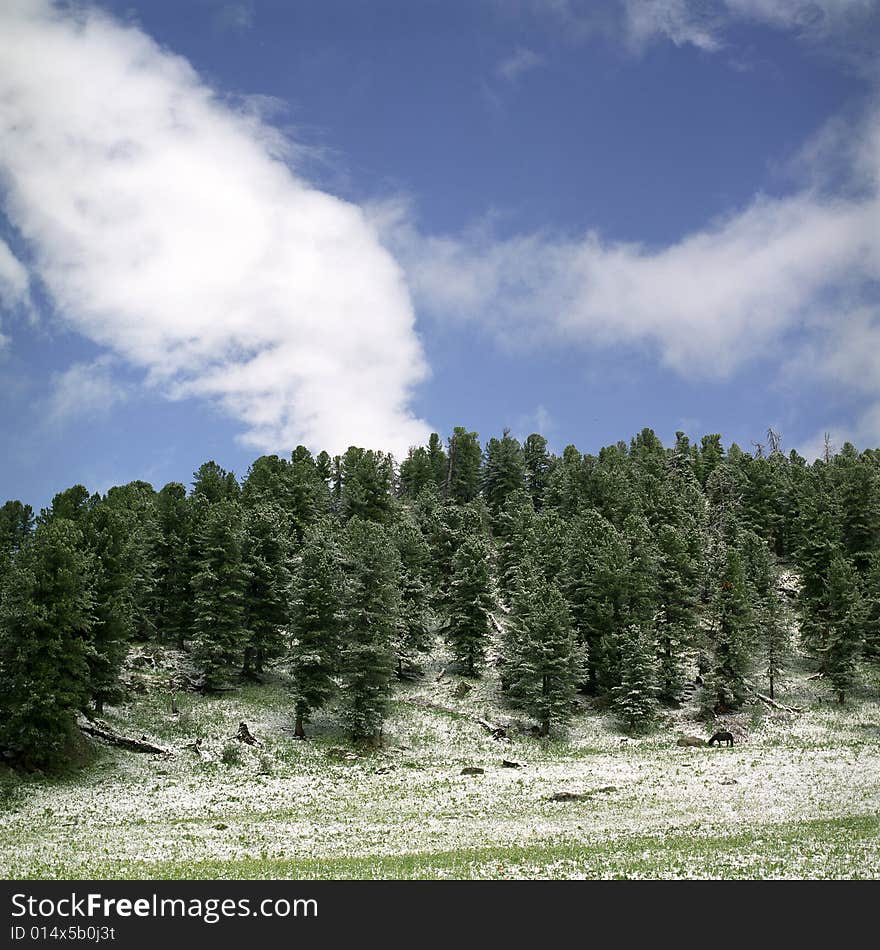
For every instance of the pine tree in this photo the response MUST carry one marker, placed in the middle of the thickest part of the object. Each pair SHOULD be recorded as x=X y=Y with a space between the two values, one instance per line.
x=172 y=554
x=846 y=614
x=732 y=630
x=503 y=473
x=634 y=697
x=470 y=603
x=267 y=555
x=462 y=484
x=370 y=622
x=219 y=582
x=542 y=662
x=366 y=486
x=16 y=525
x=538 y=465
x=315 y=623
x=677 y=584
x=871 y=623
x=45 y=632
x=111 y=538
x=416 y=615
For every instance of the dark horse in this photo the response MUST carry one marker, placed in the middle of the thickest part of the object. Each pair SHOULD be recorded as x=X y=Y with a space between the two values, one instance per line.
x=722 y=737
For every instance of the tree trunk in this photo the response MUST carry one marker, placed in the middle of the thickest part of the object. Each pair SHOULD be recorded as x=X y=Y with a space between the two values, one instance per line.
x=99 y=705
x=298 y=730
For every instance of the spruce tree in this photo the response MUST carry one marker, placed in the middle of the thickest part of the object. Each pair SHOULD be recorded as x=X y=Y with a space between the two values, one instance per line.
x=538 y=465
x=16 y=525
x=462 y=483
x=416 y=594
x=46 y=608
x=634 y=697
x=733 y=618
x=219 y=583
x=314 y=655
x=503 y=473
x=542 y=661
x=370 y=621
x=846 y=613
x=267 y=555
x=470 y=602
x=172 y=554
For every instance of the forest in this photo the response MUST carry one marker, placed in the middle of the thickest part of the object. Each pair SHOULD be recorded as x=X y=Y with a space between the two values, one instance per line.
x=613 y=575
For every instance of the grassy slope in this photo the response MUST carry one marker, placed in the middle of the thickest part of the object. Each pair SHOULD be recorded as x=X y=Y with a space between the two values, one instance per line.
x=799 y=796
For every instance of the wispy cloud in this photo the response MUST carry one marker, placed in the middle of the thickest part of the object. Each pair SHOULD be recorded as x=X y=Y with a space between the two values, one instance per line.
x=746 y=288
x=166 y=224
x=83 y=390
x=15 y=294
x=521 y=61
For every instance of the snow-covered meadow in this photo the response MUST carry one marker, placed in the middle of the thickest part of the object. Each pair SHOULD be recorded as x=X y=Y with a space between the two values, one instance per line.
x=797 y=796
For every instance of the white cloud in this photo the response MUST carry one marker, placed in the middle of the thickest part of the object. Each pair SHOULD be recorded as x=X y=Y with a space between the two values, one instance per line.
x=521 y=61
x=14 y=281
x=745 y=288
x=702 y=24
x=83 y=389
x=166 y=225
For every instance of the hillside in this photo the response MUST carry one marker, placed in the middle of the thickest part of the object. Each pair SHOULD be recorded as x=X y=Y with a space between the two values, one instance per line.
x=797 y=796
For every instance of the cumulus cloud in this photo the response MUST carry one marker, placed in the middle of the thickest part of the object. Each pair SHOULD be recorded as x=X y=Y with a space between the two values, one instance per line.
x=748 y=287
x=166 y=224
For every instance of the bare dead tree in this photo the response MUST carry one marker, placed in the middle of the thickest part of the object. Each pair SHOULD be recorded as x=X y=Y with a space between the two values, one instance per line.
x=759 y=449
x=828 y=448
x=775 y=440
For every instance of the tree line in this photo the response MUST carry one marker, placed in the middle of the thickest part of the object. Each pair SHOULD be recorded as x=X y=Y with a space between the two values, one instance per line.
x=611 y=574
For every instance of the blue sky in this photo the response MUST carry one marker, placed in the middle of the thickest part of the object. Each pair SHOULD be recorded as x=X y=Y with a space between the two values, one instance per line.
x=231 y=227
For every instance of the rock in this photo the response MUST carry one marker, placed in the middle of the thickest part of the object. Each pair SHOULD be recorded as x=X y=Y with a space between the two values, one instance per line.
x=690 y=741
x=509 y=764
x=729 y=781
x=567 y=797
x=220 y=827
x=472 y=770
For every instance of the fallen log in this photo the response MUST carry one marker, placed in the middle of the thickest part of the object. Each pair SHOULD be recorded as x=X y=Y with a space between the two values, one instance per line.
x=124 y=742
x=494 y=729
x=816 y=676
x=776 y=705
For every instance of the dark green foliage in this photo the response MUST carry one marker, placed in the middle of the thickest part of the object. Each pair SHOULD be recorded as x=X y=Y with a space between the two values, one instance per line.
x=842 y=642
x=214 y=484
x=16 y=525
x=416 y=593
x=219 y=585
x=470 y=602
x=542 y=662
x=370 y=621
x=732 y=630
x=503 y=473
x=172 y=556
x=538 y=465
x=872 y=607
x=113 y=542
x=366 y=486
x=267 y=559
x=462 y=482
x=634 y=697
x=46 y=609
x=314 y=654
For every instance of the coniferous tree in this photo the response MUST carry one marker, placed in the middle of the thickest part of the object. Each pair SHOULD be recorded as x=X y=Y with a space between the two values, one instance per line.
x=470 y=602
x=462 y=483
x=46 y=608
x=634 y=697
x=846 y=612
x=370 y=621
x=416 y=615
x=315 y=624
x=733 y=618
x=872 y=608
x=267 y=555
x=503 y=473
x=111 y=538
x=172 y=556
x=219 y=583
x=538 y=465
x=16 y=525
x=542 y=661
